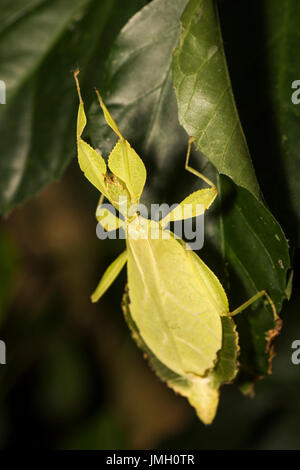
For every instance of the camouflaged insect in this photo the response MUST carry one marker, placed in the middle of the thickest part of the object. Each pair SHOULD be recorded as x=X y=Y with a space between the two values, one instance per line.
x=176 y=306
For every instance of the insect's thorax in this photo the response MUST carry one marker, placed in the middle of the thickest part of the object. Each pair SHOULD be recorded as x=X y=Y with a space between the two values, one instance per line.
x=140 y=228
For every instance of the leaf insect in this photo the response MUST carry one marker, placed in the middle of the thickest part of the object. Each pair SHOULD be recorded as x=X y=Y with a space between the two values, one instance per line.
x=176 y=302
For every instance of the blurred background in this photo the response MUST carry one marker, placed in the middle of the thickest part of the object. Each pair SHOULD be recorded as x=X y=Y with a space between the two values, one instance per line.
x=74 y=378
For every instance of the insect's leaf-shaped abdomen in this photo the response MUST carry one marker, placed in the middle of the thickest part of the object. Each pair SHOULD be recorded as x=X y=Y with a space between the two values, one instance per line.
x=177 y=317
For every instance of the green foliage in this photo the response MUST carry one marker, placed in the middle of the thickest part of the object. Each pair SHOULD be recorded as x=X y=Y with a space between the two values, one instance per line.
x=137 y=87
x=41 y=42
x=256 y=256
x=263 y=64
x=206 y=106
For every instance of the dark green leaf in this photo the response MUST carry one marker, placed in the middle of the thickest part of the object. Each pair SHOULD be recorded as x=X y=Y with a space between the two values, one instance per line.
x=256 y=258
x=41 y=42
x=263 y=63
x=138 y=88
x=245 y=231
x=206 y=105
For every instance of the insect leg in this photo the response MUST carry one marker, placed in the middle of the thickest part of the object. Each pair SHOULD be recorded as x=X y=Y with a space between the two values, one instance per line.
x=108 y=219
x=192 y=170
x=108 y=117
x=109 y=276
x=252 y=300
x=91 y=162
x=197 y=202
x=101 y=199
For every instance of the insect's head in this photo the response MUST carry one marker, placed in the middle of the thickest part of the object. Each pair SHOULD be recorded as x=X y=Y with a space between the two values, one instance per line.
x=127 y=176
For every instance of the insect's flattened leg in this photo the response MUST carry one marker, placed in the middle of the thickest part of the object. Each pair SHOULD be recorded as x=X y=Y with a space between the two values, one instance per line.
x=109 y=276
x=109 y=220
x=252 y=300
x=193 y=205
x=90 y=161
x=81 y=118
x=108 y=117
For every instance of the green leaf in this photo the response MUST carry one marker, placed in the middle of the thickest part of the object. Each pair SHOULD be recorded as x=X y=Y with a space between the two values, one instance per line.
x=262 y=79
x=256 y=257
x=247 y=231
x=41 y=43
x=137 y=86
x=206 y=104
